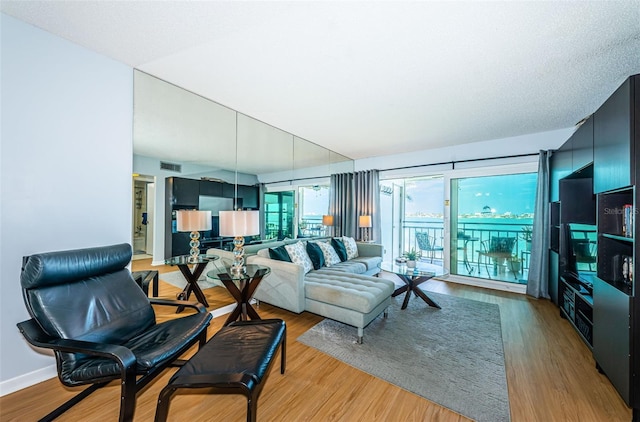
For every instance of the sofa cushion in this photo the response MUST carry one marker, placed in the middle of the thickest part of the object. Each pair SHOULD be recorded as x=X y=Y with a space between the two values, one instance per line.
x=316 y=255
x=351 y=266
x=298 y=254
x=370 y=261
x=351 y=247
x=360 y=293
x=280 y=253
x=340 y=249
x=330 y=255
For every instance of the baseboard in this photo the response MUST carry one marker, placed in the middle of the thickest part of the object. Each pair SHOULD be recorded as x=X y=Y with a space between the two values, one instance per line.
x=488 y=284
x=27 y=380
x=156 y=263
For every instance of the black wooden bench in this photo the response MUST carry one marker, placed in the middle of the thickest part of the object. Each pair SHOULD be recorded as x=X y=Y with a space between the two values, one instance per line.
x=236 y=360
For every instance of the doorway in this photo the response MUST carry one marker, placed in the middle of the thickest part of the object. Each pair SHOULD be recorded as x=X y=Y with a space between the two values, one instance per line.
x=142 y=218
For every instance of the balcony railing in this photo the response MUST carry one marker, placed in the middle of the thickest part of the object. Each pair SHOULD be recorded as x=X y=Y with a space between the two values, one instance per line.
x=472 y=233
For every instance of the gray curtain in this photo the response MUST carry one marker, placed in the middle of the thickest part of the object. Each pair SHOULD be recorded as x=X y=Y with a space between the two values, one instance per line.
x=353 y=195
x=538 y=280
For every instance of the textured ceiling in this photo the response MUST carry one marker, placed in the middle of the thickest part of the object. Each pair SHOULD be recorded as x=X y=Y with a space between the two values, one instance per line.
x=371 y=78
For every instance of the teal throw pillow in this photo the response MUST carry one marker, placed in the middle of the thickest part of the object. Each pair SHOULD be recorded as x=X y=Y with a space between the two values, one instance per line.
x=279 y=253
x=340 y=249
x=316 y=255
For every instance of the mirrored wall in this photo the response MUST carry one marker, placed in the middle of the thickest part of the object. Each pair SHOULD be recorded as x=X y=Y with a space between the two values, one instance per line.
x=172 y=124
x=181 y=134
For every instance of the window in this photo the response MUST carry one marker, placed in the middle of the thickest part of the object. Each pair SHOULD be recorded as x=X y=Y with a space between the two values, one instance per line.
x=491 y=221
x=313 y=204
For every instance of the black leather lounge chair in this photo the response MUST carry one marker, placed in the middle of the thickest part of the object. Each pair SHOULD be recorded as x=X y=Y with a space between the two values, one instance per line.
x=87 y=308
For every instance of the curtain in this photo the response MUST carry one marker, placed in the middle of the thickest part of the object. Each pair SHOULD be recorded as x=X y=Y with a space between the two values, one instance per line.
x=538 y=279
x=353 y=195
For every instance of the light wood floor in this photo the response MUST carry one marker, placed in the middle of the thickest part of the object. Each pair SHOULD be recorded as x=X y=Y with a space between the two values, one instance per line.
x=551 y=376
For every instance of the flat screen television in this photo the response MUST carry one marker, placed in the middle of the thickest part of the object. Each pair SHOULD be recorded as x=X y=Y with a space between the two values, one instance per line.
x=578 y=253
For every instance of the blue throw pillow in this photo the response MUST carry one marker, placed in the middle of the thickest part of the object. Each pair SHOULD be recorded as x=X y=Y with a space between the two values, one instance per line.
x=340 y=249
x=279 y=253
x=316 y=255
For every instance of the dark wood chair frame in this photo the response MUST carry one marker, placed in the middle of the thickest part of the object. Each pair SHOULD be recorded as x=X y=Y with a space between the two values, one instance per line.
x=125 y=358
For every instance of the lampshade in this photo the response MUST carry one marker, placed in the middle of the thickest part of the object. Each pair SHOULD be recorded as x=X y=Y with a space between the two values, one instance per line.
x=239 y=223
x=365 y=221
x=327 y=220
x=193 y=220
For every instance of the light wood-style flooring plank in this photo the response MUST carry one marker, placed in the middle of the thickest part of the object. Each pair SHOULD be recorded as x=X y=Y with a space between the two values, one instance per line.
x=551 y=376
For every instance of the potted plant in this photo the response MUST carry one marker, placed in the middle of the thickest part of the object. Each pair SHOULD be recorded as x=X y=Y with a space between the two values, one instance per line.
x=526 y=235
x=411 y=256
x=514 y=264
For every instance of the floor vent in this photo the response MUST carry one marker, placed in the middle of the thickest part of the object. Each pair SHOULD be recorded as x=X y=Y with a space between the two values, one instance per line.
x=171 y=167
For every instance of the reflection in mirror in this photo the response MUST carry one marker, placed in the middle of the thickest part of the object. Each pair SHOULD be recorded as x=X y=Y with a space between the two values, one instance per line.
x=262 y=148
x=197 y=138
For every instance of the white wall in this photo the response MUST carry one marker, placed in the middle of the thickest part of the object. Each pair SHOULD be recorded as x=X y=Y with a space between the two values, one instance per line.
x=65 y=168
x=516 y=145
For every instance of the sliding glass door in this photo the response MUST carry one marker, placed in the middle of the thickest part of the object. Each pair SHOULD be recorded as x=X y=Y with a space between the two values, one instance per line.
x=476 y=222
x=412 y=211
x=490 y=225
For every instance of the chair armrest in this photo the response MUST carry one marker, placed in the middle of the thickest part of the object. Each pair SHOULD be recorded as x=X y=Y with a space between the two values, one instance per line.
x=170 y=302
x=37 y=337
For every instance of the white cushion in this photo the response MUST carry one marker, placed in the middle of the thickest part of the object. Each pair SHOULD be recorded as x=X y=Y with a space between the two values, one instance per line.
x=350 y=246
x=298 y=254
x=330 y=255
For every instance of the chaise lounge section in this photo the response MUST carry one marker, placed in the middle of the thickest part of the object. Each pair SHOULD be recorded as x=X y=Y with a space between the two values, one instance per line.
x=346 y=291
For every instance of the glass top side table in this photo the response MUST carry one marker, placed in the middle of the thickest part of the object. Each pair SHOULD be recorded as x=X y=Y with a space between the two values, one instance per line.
x=242 y=288
x=191 y=274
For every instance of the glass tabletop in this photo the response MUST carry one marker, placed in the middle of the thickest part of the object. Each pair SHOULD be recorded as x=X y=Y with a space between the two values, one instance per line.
x=252 y=269
x=421 y=269
x=184 y=259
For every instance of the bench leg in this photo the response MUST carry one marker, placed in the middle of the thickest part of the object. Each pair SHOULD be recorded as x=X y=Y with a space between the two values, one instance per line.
x=162 y=408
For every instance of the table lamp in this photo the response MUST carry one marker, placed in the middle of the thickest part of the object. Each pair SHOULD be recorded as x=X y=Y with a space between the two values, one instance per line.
x=327 y=221
x=193 y=221
x=238 y=224
x=365 y=223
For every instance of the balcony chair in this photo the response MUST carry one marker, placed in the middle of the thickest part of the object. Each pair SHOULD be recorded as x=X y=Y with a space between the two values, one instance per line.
x=498 y=250
x=86 y=307
x=427 y=243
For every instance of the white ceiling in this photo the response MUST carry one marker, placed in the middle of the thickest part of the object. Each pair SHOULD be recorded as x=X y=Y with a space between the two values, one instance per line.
x=367 y=78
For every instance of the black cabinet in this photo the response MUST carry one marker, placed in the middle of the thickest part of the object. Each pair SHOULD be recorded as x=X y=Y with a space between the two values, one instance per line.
x=582 y=146
x=612 y=337
x=576 y=305
x=554 y=276
x=616 y=238
x=184 y=192
x=250 y=196
x=606 y=312
x=211 y=188
x=614 y=150
x=561 y=166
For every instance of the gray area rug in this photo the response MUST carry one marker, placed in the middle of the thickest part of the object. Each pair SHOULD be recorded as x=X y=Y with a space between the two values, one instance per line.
x=452 y=356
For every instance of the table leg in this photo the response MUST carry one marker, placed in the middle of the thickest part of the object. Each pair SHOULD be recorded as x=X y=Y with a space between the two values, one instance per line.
x=192 y=284
x=411 y=285
x=242 y=296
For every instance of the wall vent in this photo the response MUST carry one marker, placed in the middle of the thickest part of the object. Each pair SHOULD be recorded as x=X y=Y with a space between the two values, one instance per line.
x=171 y=167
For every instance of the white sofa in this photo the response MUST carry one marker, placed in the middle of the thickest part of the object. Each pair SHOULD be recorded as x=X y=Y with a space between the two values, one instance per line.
x=346 y=292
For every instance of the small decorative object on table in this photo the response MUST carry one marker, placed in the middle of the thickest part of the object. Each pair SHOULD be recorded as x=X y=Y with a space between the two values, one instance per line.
x=411 y=256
